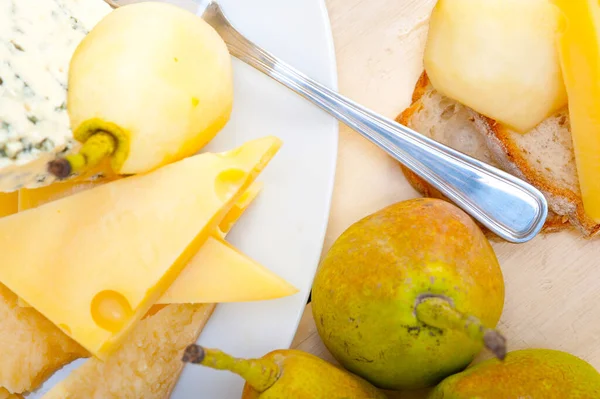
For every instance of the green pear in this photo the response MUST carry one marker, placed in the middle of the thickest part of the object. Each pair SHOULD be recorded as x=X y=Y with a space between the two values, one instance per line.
x=530 y=373
x=286 y=374
x=149 y=85
x=409 y=295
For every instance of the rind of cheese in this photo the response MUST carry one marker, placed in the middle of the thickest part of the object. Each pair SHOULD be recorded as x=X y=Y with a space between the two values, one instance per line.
x=9 y=203
x=146 y=365
x=37 y=40
x=115 y=249
x=30 y=198
x=579 y=50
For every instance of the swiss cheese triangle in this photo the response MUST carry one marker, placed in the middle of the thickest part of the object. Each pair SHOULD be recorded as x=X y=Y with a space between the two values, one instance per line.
x=229 y=277
x=95 y=262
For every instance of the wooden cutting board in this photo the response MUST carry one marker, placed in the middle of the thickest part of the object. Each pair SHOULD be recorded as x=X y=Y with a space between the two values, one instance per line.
x=552 y=282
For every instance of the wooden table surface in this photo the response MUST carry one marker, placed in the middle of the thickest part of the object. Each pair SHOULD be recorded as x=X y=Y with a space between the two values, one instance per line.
x=552 y=282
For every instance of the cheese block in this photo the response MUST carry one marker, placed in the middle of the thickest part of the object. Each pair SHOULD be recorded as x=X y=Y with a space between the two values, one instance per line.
x=115 y=249
x=579 y=51
x=9 y=203
x=37 y=41
x=218 y=273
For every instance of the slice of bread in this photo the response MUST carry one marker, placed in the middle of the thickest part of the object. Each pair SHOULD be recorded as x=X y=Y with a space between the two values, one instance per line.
x=459 y=127
x=32 y=347
x=544 y=157
x=147 y=365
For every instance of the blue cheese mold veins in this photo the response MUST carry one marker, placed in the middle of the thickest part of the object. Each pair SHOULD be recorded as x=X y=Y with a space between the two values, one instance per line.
x=37 y=40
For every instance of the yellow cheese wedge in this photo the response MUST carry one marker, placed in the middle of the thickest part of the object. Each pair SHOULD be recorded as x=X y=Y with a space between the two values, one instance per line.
x=112 y=251
x=8 y=203
x=218 y=273
x=236 y=279
x=34 y=197
x=579 y=51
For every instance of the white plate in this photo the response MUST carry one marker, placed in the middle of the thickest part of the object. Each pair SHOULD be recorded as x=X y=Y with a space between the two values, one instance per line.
x=285 y=227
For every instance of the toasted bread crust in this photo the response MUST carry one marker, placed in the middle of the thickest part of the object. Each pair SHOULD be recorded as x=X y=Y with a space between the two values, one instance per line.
x=563 y=201
x=147 y=365
x=554 y=222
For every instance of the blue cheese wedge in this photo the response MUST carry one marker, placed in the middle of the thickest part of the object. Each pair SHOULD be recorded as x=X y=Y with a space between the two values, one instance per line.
x=37 y=40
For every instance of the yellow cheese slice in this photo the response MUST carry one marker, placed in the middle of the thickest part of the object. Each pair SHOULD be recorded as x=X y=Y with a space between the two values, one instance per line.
x=32 y=198
x=236 y=279
x=104 y=256
x=579 y=50
x=8 y=203
x=218 y=273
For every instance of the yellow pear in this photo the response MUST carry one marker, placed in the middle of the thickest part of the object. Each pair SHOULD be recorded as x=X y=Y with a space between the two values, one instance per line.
x=149 y=85
x=409 y=295
x=527 y=373
x=498 y=57
x=286 y=373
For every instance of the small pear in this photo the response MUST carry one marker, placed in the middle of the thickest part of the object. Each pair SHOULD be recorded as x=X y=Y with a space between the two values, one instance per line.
x=498 y=57
x=286 y=374
x=529 y=373
x=409 y=295
x=149 y=85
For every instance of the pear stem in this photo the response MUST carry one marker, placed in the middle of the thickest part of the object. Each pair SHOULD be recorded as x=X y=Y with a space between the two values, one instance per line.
x=260 y=374
x=437 y=312
x=94 y=150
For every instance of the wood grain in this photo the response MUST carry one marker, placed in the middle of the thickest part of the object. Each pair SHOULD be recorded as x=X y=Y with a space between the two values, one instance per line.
x=552 y=282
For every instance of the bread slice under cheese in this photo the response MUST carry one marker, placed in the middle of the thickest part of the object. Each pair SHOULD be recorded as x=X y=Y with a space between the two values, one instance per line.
x=32 y=347
x=543 y=157
x=147 y=365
